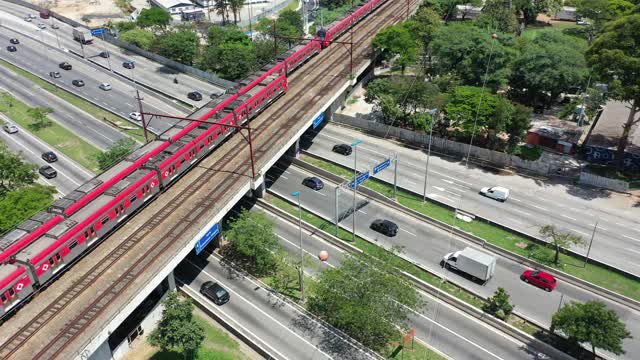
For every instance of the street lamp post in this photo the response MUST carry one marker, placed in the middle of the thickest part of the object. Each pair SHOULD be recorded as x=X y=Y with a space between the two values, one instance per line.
x=593 y=234
x=354 y=145
x=426 y=170
x=297 y=194
x=337 y=213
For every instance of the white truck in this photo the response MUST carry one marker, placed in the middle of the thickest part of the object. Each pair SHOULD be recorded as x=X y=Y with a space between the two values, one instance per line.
x=82 y=35
x=473 y=262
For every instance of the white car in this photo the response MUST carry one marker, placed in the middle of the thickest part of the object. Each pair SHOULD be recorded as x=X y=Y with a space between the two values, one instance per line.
x=10 y=128
x=105 y=86
x=135 y=116
x=496 y=192
x=42 y=26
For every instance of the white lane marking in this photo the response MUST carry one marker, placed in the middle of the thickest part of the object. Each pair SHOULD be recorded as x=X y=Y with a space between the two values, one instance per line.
x=539 y=207
x=580 y=232
x=451 y=177
x=514 y=220
x=319 y=193
x=411 y=182
x=629 y=237
x=303 y=250
x=522 y=212
x=410 y=233
x=447 y=191
x=543 y=199
x=461 y=187
x=568 y=217
x=362 y=212
x=602 y=228
x=514 y=199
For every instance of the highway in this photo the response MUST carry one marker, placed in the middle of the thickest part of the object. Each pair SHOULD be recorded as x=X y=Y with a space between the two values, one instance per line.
x=70 y=174
x=439 y=324
x=39 y=59
x=426 y=245
x=81 y=123
x=532 y=203
x=147 y=72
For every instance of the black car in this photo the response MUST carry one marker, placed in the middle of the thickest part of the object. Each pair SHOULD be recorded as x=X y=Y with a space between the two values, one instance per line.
x=313 y=182
x=128 y=64
x=78 y=83
x=195 y=96
x=48 y=172
x=104 y=54
x=215 y=292
x=12 y=48
x=65 y=66
x=14 y=41
x=49 y=156
x=385 y=227
x=54 y=74
x=343 y=149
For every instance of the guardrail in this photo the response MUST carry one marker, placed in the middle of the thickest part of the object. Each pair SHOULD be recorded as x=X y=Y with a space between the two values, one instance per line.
x=606 y=293
x=459 y=304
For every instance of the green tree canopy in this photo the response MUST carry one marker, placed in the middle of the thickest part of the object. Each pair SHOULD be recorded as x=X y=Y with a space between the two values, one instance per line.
x=252 y=240
x=138 y=37
x=602 y=11
x=397 y=40
x=181 y=46
x=498 y=305
x=551 y=63
x=229 y=52
x=468 y=51
x=19 y=204
x=116 y=152
x=531 y=8
x=447 y=8
x=154 y=17
x=39 y=119
x=495 y=15
x=366 y=299
x=591 y=323
x=14 y=172
x=468 y=102
x=558 y=240
x=614 y=58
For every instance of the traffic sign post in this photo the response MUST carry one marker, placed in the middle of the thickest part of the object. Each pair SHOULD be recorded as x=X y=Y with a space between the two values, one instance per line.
x=97 y=31
x=207 y=237
x=360 y=179
x=317 y=121
x=383 y=165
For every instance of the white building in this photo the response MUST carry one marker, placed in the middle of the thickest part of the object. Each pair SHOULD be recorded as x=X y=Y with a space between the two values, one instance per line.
x=173 y=7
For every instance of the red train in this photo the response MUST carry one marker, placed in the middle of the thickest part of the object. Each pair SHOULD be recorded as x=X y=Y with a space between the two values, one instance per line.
x=34 y=252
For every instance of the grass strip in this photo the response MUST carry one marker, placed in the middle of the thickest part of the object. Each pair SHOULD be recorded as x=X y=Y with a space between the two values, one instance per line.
x=55 y=134
x=105 y=116
x=413 y=351
x=497 y=236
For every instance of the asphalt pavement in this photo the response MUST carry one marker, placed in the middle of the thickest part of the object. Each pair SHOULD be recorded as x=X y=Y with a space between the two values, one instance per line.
x=443 y=327
x=39 y=59
x=70 y=174
x=426 y=245
x=79 y=122
x=147 y=72
x=533 y=201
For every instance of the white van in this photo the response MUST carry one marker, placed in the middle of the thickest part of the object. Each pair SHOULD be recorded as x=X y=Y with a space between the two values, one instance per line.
x=497 y=192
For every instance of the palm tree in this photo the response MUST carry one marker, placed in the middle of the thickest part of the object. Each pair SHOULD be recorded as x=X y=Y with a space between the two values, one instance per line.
x=236 y=6
x=221 y=7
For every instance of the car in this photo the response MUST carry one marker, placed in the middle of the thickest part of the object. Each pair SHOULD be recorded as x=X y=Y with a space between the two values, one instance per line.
x=49 y=156
x=12 y=48
x=55 y=74
x=10 y=128
x=48 y=172
x=135 y=116
x=31 y=16
x=385 y=227
x=343 y=149
x=128 y=65
x=540 y=279
x=105 y=86
x=55 y=26
x=14 y=41
x=313 y=183
x=104 y=54
x=582 y=22
x=65 y=66
x=215 y=292
x=27 y=19
x=496 y=192
x=195 y=96
x=42 y=26
x=78 y=83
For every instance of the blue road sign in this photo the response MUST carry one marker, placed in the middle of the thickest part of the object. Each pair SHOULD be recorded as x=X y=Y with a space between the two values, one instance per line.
x=317 y=121
x=383 y=165
x=207 y=237
x=360 y=179
x=97 y=31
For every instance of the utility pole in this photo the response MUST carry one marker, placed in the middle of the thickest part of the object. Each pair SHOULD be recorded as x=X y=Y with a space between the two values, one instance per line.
x=337 y=213
x=355 y=183
x=297 y=194
x=426 y=171
x=144 y=124
x=593 y=234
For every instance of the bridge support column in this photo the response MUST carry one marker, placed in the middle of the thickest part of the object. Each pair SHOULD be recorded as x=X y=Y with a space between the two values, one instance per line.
x=259 y=191
x=172 y=281
x=294 y=150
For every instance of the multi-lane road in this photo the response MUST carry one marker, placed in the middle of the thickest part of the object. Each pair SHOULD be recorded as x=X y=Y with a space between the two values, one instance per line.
x=532 y=203
x=426 y=245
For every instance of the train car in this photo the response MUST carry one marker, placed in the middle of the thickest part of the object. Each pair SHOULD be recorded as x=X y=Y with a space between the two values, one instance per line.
x=340 y=26
x=27 y=232
x=16 y=286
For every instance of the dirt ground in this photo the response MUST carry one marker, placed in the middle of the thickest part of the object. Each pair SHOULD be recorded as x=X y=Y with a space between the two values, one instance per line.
x=98 y=11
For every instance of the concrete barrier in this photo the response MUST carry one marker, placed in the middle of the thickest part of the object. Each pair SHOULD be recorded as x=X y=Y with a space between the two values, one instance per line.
x=603 y=182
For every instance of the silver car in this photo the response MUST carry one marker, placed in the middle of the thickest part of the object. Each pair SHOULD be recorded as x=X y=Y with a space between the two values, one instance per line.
x=105 y=86
x=10 y=128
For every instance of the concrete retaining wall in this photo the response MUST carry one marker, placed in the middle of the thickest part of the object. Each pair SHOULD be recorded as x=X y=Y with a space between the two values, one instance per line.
x=603 y=182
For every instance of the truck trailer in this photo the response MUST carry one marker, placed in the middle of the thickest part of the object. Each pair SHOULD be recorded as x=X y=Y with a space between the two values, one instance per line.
x=82 y=35
x=473 y=262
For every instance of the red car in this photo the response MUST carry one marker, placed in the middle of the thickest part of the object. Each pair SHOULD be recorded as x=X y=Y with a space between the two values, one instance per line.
x=540 y=279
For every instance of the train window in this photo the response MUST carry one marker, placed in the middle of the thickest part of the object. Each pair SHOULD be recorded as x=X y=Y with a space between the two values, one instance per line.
x=133 y=198
x=201 y=146
x=92 y=230
x=121 y=207
x=146 y=188
x=11 y=292
x=182 y=161
x=105 y=220
x=73 y=244
x=117 y=209
x=3 y=297
x=86 y=234
x=58 y=257
x=51 y=262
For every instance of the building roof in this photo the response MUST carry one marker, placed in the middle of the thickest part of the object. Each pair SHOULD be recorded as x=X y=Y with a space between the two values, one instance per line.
x=608 y=130
x=553 y=128
x=172 y=3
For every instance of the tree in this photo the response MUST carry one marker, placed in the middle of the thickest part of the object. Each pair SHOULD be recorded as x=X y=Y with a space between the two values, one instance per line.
x=558 y=240
x=614 y=56
x=423 y=25
x=548 y=65
x=495 y=15
x=39 y=118
x=14 y=173
x=397 y=40
x=138 y=37
x=366 y=299
x=123 y=26
x=498 y=305
x=20 y=204
x=222 y=8
x=531 y=8
x=177 y=330
x=181 y=46
x=447 y=8
x=592 y=323
x=517 y=126
x=472 y=53
x=117 y=151
x=251 y=239
x=235 y=6
x=154 y=17
x=472 y=108
x=603 y=11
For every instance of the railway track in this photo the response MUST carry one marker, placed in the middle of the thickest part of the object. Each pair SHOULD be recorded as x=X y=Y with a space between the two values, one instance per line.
x=73 y=327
